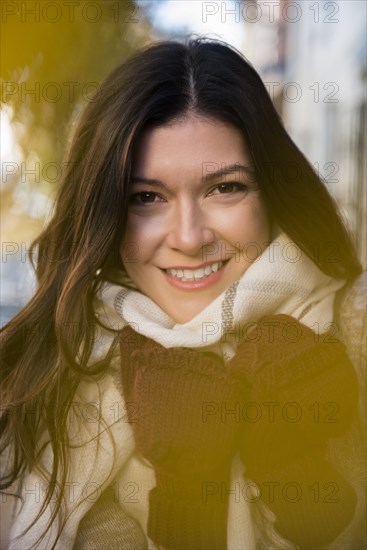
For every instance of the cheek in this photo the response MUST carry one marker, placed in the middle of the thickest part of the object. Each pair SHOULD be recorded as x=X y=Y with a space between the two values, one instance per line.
x=140 y=240
x=130 y=244
x=245 y=224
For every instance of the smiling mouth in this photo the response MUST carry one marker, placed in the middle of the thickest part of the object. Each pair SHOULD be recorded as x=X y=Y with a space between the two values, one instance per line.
x=195 y=274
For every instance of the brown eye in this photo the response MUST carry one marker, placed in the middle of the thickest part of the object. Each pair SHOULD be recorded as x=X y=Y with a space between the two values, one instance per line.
x=144 y=197
x=228 y=188
x=147 y=197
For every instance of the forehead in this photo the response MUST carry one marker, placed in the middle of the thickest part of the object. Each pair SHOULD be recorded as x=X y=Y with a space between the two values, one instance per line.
x=184 y=147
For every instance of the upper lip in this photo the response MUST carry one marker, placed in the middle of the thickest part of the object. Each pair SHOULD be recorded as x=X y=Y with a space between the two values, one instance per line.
x=193 y=267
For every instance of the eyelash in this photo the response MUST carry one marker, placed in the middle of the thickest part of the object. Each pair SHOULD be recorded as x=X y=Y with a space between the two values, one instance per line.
x=135 y=196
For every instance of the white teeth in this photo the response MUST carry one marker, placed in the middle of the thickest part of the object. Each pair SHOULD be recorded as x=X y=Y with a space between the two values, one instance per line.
x=199 y=273
x=188 y=274
x=195 y=274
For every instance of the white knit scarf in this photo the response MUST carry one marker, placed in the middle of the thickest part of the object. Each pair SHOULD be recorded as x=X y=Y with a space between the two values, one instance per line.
x=282 y=280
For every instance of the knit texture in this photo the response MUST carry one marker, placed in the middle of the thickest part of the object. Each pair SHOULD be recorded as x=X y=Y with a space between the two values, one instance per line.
x=109 y=522
x=187 y=448
x=306 y=389
x=284 y=455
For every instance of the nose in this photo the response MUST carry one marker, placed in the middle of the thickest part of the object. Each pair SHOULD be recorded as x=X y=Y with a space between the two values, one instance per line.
x=189 y=228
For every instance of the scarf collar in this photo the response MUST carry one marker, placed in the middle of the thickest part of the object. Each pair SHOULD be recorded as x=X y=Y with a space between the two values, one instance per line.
x=281 y=280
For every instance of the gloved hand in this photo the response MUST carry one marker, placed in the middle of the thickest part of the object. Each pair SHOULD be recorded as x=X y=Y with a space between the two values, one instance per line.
x=304 y=391
x=190 y=450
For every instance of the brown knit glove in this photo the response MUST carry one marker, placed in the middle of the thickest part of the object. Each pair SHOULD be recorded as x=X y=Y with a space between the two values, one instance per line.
x=190 y=451
x=303 y=392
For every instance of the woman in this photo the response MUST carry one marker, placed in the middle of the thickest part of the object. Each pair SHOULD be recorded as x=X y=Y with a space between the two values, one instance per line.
x=180 y=345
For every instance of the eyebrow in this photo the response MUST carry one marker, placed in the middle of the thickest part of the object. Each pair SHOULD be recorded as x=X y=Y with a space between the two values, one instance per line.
x=231 y=169
x=210 y=176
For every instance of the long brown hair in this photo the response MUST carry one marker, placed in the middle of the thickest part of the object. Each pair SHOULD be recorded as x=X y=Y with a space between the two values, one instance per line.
x=44 y=349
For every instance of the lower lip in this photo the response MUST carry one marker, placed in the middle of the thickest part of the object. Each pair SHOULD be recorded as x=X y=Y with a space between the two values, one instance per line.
x=195 y=284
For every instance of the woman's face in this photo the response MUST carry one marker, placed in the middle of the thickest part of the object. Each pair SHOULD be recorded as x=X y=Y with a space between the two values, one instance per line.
x=196 y=219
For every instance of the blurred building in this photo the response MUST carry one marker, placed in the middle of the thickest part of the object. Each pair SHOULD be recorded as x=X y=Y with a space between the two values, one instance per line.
x=264 y=44
x=312 y=57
